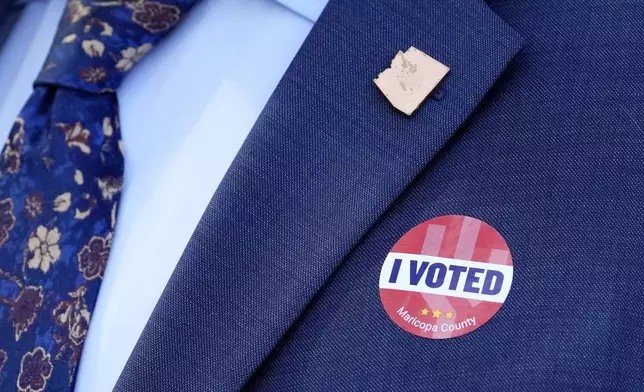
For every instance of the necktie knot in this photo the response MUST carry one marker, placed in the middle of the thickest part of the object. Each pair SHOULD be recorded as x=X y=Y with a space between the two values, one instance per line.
x=99 y=42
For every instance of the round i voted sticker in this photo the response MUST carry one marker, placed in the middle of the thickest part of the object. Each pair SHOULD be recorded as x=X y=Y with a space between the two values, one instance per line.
x=446 y=277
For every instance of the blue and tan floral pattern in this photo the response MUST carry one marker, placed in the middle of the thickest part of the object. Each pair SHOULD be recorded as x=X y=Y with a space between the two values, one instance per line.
x=92 y=259
x=72 y=317
x=3 y=360
x=24 y=308
x=33 y=205
x=7 y=219
x=42 y=248
x=61 y=176
x=20 y=310
x=35 y=369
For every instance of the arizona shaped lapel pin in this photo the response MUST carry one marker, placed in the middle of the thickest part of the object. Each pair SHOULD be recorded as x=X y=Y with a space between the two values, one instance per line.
x=413 y=75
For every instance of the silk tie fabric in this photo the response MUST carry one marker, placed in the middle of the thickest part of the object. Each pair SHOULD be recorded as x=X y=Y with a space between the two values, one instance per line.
x=62 y=174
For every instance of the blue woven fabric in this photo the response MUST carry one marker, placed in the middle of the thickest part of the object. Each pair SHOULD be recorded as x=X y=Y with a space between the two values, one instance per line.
x=62 y=172
x=325 y=159
x=278 y=288
x=553 y=159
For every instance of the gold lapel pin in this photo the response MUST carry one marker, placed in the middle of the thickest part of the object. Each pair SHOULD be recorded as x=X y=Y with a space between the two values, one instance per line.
x=413 y=75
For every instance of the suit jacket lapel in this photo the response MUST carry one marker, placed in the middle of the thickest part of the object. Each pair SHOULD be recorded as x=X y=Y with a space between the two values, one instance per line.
x=325 y=159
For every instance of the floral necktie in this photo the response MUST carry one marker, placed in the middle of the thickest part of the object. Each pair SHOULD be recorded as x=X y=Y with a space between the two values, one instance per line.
x=60 y=184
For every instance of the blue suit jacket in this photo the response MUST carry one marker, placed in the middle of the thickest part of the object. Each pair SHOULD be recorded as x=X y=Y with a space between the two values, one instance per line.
x=537 y=130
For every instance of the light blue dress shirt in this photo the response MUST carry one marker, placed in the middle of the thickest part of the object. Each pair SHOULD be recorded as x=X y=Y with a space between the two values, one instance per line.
x=185 y=111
